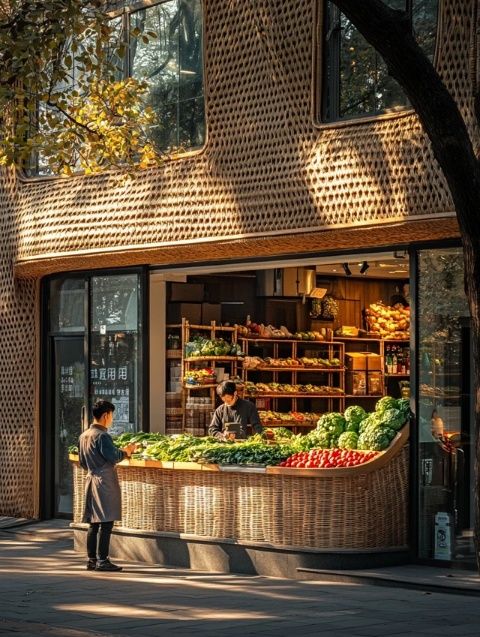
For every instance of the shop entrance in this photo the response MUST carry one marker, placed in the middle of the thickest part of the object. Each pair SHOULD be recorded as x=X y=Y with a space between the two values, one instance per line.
x=94 y=348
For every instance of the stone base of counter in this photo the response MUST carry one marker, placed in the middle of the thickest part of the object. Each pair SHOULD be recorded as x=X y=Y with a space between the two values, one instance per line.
x=223 y=556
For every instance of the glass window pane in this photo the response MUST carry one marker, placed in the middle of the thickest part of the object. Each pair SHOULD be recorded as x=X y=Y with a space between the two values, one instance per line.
x=358 y=72
x=444 y=406
x=424 y=20
x=114 y=302
x=172 y=66
x=191 y=123
x=116 y=353
x=67 y=303
x=69 y=388
x=355 y=78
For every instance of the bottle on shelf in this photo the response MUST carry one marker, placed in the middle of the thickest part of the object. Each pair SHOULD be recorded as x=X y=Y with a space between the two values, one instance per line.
x=388 y=360
x=407 y=361
x=394 y=360
x=403 y=361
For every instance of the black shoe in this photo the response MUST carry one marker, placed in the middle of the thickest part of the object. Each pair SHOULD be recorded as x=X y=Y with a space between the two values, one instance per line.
x=91 y=565
x=106 y=565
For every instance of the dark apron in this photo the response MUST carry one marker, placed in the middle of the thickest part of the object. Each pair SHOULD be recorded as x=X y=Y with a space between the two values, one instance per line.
x=103 y=502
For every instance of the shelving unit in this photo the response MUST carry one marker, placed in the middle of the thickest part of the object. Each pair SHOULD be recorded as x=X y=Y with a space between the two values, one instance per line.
x=198 y=408
x=282 y=401
x=174 y=414
x=375 y=346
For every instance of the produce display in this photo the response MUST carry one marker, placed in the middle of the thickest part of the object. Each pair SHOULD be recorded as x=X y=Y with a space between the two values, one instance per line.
x=357 y=429
x=200 y=376
x=272 y=417
x=257 y=389
x=327 y=459
x=339 y=439
x=388 y=322
x=255 y=362
x=203 y=347
x=259 y=330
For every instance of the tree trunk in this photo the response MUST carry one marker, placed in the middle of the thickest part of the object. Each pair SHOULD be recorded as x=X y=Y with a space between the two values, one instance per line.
x=388 y=32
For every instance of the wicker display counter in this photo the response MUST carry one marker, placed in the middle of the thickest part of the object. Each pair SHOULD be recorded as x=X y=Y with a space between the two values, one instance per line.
x=359 y=508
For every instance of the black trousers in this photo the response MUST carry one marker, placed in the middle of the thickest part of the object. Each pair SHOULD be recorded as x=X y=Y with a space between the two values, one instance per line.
x=100 y=531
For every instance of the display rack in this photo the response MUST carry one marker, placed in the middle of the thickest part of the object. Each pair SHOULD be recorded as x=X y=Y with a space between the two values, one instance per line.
x=198 y=401
x=376 y=346
x=287 y=402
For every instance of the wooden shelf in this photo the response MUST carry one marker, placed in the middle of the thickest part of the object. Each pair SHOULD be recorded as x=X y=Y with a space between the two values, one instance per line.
x=285 y=340
x=294 y=369
x=364 y=395
x=193 y=359
x=397 y=375
x=199 y=386
x=292 y=395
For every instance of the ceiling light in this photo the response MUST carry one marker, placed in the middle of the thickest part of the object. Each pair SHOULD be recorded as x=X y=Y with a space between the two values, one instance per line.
x=364 y=267
x=346 y=269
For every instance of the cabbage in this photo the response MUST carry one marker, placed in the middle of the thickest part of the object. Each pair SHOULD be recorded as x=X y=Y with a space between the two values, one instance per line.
x=387 y=402
x=393 y=418
x=355 y=414
x=348 y=440
x=333 y=423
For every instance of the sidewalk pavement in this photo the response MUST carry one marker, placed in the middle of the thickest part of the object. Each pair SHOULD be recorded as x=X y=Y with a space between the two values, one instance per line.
x=45 y=591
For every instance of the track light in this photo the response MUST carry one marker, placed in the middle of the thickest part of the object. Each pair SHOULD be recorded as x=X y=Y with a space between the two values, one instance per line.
x=346 y=269
x=364 y=267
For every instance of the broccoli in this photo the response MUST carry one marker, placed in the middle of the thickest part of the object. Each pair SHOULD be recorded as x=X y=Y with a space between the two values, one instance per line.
x=393 y=418
x=333 y=423
x=348 y=440
x=387 y=402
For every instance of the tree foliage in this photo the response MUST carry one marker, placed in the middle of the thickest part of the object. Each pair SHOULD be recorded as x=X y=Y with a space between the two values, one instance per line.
x=60 y=94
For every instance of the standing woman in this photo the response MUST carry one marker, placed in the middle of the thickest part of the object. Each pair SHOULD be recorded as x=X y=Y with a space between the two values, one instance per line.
x=103 y=504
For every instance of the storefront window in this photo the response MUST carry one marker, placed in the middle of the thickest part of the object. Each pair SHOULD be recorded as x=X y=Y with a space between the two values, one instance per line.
x=115 y=350
x=67 y=304
x=111 y=350
x=444 y=408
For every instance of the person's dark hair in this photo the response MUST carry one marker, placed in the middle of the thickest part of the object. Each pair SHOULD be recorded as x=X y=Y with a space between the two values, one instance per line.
x=227 y=387
x=102 y=407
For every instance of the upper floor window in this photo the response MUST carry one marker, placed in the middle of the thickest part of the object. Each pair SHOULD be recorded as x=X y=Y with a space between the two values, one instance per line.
x=356 y=82
x=171 y=64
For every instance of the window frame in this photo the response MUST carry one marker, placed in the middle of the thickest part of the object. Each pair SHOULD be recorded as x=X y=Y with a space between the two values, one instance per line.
x=124 y=12
x=319 y=75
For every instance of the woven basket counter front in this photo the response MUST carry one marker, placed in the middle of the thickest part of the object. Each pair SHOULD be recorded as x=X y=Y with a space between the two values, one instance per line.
x=363 y=508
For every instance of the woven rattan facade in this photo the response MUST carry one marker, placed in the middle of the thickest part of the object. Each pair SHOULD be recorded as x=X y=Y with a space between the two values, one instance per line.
x=268 y=182
x=366 y=511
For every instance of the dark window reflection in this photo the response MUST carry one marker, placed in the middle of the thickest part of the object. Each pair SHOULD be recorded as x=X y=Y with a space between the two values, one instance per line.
x=355 y=78
x=172 y=65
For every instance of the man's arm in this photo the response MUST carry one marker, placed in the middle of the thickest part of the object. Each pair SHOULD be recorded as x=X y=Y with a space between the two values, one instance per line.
x=216 y=426
x=109 y=451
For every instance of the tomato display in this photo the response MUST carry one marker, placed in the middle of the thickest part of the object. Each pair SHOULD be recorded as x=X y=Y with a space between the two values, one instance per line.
x=328 y=458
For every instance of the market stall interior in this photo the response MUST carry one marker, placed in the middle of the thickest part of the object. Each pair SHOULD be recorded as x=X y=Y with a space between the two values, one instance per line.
x=299 y=341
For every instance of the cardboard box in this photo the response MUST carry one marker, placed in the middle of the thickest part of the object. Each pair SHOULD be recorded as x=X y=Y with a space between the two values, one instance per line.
x=356 y=383
x=363 y=361
x=190 y=311
x=356 y=360
x=374 y=361
x=211 y=312
x=190 y=292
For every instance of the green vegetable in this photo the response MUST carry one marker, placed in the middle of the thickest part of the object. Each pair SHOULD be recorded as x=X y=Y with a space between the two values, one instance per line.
x=375 y=439
x=333 y=423
x=387 y=402
x=348 y=440
x=371 y=421
x=403 y=404
x=393 y=418
x=354 y=415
